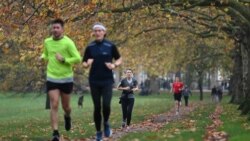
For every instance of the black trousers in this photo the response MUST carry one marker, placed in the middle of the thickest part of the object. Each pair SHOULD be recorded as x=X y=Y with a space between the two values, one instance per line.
x=220 y=97
x=127 y=108
x=186 y=100
x=101 y=96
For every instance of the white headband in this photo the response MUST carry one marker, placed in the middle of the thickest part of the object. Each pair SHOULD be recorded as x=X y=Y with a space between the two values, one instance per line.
x=99 y=26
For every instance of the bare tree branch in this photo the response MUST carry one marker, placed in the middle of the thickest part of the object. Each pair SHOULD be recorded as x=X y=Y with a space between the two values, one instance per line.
x=36 y=10
x=203 y=34
x=244 y=1
x=174 y=13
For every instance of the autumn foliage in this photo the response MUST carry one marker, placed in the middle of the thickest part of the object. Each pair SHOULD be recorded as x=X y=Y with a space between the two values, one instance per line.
x=151 y=36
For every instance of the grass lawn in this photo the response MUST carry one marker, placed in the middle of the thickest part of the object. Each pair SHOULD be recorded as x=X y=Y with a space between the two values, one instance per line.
x=234 y=124
x=193 y=127
x=25 y=117
x=189 y=129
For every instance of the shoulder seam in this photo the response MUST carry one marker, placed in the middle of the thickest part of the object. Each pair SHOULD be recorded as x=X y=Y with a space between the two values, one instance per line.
x=91 y=44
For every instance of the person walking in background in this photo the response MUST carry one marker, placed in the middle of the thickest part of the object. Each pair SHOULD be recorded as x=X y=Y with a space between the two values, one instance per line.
x=186 y=92
x=61 y=53
x=214 y=94
x=128 y=85
x=220 y=93
x=177 y=90
x=99 y=55
x=80 y=101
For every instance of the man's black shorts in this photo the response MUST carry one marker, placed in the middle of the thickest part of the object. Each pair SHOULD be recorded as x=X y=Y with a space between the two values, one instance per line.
x=66 y=88
x=177 y=96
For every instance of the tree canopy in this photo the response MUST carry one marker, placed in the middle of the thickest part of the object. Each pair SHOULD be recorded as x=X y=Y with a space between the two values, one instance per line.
x=154 y=35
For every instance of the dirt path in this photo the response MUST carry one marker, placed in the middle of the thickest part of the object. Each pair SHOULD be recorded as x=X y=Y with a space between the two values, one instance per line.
x=154 y=123
x=211 y=131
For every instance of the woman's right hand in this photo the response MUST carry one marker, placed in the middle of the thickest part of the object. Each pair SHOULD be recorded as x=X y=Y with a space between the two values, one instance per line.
x=126 y=88
x=88 y=63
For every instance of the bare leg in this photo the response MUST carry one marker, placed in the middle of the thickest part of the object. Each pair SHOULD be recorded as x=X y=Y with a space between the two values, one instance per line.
x=54 y=102
x=66 y=103
x=177 y=106
x=67 y=110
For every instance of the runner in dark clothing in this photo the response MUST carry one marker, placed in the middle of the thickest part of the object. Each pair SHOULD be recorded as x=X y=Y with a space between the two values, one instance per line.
x=128 y=85
x=219 y=93
x=99 y=54
x=186 y=92
x=214 y=94
x=80 y=101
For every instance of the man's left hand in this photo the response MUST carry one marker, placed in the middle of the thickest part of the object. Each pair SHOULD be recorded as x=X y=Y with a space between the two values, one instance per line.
x=59 y=57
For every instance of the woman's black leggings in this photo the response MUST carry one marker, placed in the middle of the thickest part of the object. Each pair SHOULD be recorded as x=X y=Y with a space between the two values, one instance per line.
x=186 y=100
x=99 y=92
x=127 y=108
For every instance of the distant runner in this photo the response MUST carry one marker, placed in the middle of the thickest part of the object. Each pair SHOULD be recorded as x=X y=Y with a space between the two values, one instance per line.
x=186 y=93
x=177 y=90
x=128 y=85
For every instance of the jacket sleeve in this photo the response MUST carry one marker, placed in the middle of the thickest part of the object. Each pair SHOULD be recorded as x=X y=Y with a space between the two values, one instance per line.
x=45 y=52
x=135 y=83
x=87 y=55
x=74 y=54
x=121 y=84
x=115 y=53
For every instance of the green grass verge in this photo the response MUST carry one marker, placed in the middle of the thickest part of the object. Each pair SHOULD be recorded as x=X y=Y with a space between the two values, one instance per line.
x=190 y=128
x=24 y=117
x=237 y=126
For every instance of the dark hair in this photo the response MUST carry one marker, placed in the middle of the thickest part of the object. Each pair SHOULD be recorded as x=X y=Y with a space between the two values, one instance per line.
x=129 y=70
x=58 y=21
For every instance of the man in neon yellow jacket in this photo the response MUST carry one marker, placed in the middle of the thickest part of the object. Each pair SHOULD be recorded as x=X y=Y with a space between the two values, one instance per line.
x=61 y=53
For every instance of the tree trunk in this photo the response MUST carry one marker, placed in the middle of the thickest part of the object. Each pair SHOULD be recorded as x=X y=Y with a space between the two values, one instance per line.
x=235 y=85
x=209 y=80
x=245 y=52
x=200 y=84
x=189 y=76
x=154 y=85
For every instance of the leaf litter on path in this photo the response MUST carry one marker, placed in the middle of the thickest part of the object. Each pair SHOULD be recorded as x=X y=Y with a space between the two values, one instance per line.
x=154 y=123
x=211 y=131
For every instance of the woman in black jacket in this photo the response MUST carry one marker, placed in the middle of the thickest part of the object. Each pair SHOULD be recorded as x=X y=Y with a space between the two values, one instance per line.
x=103 y=57
x=128 y=85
